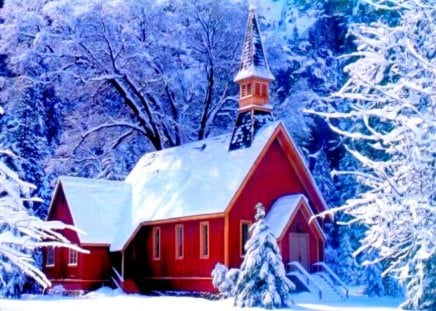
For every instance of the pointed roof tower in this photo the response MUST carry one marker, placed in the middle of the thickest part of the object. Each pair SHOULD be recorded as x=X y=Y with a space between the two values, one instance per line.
x=253 y=78
x=253 y=60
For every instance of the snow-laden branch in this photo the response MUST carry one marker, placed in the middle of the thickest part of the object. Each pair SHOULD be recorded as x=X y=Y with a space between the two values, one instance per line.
x=389 y=99
x=23 y=233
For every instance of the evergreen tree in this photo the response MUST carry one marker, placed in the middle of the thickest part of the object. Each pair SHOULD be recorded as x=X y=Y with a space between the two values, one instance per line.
x=373 y=275
x=262 y=280
x=24 y=131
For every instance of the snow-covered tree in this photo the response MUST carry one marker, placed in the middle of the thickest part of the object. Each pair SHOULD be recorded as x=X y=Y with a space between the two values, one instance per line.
x=391 y=96
x=21 y=233
x=24 y=131
x=262 y=280
x=372 y=273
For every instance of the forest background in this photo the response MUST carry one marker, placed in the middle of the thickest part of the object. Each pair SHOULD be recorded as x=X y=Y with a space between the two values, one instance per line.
x=87 y=87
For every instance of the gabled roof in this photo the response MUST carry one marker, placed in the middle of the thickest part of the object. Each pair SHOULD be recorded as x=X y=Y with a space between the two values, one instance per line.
x=194 y=179
x=253 y=60
x=283 y=211
x=95 y=206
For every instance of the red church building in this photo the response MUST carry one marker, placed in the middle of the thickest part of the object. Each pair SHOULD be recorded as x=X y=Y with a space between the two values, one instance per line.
x=184 y=209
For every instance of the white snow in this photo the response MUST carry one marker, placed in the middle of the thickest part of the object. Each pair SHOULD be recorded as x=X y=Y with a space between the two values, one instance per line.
x=107 y=299
x=95 y=206
x=281 y=212
x=199 y=178
x=254 y=71
x=284 y=209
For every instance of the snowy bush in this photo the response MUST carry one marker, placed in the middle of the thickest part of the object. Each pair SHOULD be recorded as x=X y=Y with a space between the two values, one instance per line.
x=224 y=279
x=57 y=290
x=262 y=280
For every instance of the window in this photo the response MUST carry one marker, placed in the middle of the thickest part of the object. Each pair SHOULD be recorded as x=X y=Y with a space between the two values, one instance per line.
x=72 y=257
x=249 y=91
x=264 y=90
x=50 y=260
x=156 y=243
x=245 y=234
x=204 y=240
x=179 y=241
x=243 y=90
x=257 y=89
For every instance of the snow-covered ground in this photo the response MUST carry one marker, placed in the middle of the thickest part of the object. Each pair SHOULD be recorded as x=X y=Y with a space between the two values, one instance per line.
x=105 y=299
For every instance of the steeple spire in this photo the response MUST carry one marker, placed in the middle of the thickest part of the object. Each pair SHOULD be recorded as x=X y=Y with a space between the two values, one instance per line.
x=253 y=78
x=254 y=75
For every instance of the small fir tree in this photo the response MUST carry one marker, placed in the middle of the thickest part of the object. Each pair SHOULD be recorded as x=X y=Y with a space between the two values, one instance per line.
x=262 y=280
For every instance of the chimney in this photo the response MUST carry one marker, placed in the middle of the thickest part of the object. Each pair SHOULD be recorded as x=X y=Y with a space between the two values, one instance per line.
x=253 y=78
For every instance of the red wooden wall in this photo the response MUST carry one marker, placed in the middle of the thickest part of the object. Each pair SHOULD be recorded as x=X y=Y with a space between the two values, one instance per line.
x=273 y=178
x=91 y=270
x=188 y=273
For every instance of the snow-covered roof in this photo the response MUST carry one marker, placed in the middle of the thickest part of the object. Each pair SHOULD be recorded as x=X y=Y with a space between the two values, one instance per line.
x=95 y=206
x=198 y=178
x=283 y=210
x=253 y=60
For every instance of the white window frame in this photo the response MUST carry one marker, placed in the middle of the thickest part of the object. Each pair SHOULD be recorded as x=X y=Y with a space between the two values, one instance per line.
x=73 y=257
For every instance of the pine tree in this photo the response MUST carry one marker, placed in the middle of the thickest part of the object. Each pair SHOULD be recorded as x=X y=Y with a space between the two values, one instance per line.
x=262 y=280
x=373 y=275
x=24 y=132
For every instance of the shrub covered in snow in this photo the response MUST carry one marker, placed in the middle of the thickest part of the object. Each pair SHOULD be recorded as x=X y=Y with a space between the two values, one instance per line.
x=224 y=279
x=57 y=290
x=262 y=280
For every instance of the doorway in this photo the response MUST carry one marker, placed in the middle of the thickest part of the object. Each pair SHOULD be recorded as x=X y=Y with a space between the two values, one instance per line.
x=299 y=249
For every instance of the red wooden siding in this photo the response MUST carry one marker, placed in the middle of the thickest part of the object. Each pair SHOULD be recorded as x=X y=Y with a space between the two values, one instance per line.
x=91 y=270
x=60 y=211
x=190 y=272
x=273 y=178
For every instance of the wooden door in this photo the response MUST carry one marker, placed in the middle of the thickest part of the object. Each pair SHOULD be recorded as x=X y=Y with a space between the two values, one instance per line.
x=299 y=248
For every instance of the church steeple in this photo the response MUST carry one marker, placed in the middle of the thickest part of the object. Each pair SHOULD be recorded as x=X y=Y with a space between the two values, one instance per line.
x=254 y=75
x=253 y=78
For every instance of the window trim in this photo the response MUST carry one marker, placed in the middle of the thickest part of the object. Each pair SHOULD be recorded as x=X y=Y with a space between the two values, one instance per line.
x=180 y=246
x=156 y=251
x=51 y=251
x=73 y=257
x=241 y=244
x=202 y=254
